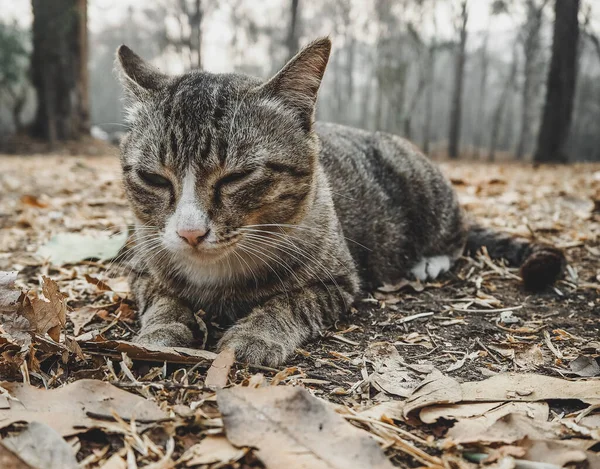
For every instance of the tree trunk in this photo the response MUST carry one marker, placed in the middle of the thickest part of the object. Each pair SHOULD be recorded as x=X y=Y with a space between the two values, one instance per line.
x=459 y=72
x=531 y=51
x=562 y=78
x=501 y=107
x=485 y=65
x=196 y=27
x=292 y=39
x=350 y=79
x=59 y=69
x=429 y=99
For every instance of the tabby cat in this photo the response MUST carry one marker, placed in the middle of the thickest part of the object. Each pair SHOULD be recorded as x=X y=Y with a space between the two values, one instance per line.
x=250 y=211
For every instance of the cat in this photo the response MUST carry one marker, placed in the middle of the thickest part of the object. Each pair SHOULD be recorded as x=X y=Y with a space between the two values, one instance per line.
x=250 y=211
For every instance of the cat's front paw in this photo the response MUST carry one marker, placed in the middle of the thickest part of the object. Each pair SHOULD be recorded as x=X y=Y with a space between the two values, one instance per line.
x=166 y=335
x=254 y=348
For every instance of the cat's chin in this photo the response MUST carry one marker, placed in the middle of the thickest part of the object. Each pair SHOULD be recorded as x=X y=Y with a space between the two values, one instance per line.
x=207 y=256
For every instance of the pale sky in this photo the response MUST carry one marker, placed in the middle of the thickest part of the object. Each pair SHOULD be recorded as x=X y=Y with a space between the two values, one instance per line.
x=218 y=30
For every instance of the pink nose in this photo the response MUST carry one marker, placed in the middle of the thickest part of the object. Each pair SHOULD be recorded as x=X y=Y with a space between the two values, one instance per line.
x=193 y=237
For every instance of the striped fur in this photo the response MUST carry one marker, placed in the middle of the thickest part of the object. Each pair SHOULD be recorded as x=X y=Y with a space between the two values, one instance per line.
x=298 y=216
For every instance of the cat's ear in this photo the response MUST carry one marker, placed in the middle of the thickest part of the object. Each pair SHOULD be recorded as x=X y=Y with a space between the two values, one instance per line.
x=297 y=83
x=138 y=77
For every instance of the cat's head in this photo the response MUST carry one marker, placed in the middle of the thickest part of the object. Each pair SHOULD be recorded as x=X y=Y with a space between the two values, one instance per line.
x=208 y=154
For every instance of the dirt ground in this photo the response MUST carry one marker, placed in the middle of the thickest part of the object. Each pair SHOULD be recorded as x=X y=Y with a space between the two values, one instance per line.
x=473 y=323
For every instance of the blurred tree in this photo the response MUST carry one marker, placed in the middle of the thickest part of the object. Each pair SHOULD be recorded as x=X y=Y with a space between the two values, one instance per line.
x=562 y=78
x=292 y=41
x=459 y=72
x=59 y=69
x=182 y=28
x=14 y=60
x=483 y=83
x=500 y=108
x=531 y=44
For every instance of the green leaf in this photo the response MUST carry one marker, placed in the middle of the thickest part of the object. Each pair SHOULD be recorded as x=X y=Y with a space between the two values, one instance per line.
x=71 y=248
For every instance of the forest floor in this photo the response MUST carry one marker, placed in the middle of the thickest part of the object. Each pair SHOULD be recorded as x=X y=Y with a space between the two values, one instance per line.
x=520 y=370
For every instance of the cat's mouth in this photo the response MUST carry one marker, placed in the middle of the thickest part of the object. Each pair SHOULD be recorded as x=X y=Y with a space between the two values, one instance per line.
x=216 y=250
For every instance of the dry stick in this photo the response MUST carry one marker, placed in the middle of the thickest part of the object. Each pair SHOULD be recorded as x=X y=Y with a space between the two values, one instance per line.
x=487 y=350
x=557 y=353
x=160 y=386
x=401 y=444
x=488 y=311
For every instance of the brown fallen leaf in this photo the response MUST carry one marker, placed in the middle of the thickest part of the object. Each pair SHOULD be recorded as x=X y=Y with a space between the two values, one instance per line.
x=80 y=317
x=9 y=460
x=390 y=374
x=47 y=315
x=436 y=388
x=489 y=411
x=290 y=428
x=99 y=283
x=32 y=201
x=530 y=387
x=558 y=452
x=506 y=429
x=9 y=295
x=217 y=374
x=115 y=348
x=213 y=450
x=585 y=366
x=114 y=462
x=78 y=406
x=41 y=447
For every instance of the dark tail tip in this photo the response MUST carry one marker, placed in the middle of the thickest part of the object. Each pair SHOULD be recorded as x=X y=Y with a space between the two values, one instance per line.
x=542 y=267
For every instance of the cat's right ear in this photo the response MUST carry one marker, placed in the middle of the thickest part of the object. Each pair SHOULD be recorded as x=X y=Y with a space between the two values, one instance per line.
x=138 y=77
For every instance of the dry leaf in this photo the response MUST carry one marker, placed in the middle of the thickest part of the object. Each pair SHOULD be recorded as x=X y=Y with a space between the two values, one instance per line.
x=390 y=374
x=217 y=374
x=9 y=296
x=81 y=317
x=9 y=460
x=114 y=462
x=99 y=283
x=492 y=411
x=41 y=447
x=83 y=404
x=291 y=428
x=553 y=451
x=436 y=388
x=115 y=348
x=47 y=315
x=585 y=366
x=212 y=450
x=529 y=387
x=507 y=429
x=478 y=425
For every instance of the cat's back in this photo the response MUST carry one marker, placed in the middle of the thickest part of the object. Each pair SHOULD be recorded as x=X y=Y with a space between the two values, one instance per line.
x=389 y=197
x=356 y=160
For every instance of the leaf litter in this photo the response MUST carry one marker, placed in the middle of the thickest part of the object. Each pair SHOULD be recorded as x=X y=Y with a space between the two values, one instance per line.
x=439 y=374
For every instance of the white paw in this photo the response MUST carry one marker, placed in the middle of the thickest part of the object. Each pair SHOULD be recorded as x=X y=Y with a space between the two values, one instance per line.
x=429 y=268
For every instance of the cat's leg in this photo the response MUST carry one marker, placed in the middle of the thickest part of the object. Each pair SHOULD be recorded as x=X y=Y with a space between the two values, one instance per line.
x=274 y=330
x=166 y=320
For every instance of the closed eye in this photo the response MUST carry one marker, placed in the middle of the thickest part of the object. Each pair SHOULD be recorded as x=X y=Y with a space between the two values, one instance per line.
x=233 y=177
x=153 y=179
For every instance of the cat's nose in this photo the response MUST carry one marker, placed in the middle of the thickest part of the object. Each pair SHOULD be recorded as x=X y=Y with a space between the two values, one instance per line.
x=193 y=237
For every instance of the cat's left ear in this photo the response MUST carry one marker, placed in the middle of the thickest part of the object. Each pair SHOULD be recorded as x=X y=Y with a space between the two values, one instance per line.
x=297 y=83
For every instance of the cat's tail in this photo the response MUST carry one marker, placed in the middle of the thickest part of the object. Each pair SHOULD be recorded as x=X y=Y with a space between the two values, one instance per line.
x=541 y=264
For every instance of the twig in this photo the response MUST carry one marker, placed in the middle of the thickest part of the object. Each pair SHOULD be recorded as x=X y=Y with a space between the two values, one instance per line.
x=557 y=353
x=165 y=385
x=487 y=350
x=404 y=433
x=488 y=311
x=414 y=316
